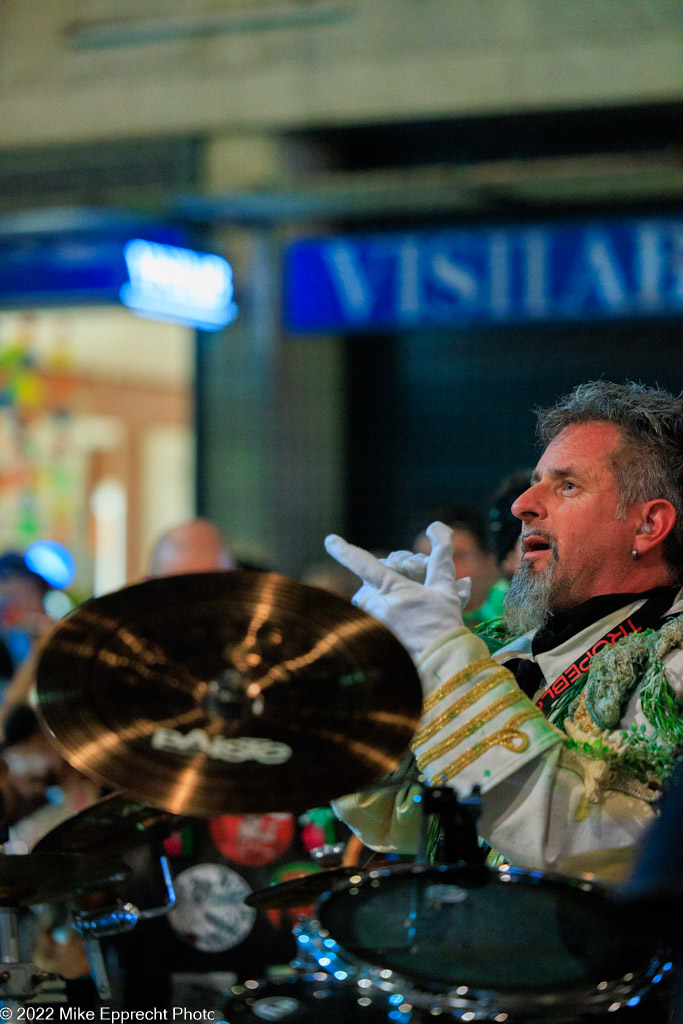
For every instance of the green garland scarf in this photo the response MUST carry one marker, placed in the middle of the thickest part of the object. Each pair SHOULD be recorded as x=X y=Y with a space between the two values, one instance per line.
x=614 y=673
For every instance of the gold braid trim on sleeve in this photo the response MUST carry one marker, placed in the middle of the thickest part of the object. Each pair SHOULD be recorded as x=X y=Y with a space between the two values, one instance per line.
x=457 y=680
x=501 y=675
x=475 y=723
x=509 y=737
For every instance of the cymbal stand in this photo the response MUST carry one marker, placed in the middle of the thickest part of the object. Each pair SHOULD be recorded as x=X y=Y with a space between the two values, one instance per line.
x=458 y=817
x=104 y=914
x=18 y=980
x=458 y=843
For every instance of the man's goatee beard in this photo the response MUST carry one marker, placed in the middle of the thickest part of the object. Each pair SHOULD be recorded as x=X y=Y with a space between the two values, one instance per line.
x=527 y=598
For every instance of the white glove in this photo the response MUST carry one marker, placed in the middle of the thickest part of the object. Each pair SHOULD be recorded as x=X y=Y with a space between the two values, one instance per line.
x=407 y=563
x=419 y=615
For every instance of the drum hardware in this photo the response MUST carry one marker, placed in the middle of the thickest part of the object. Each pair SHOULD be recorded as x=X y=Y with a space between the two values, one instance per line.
x=55 y=877
x=227 y=697
x=329 y=855
x=113 y=823
x=104 y=914
x=18 y=980
x=42 y=878
x=457 y=843
x=458 y=816
x=180 y=691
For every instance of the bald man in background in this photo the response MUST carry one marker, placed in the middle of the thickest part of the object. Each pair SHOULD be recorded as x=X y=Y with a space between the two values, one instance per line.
x=194 y=546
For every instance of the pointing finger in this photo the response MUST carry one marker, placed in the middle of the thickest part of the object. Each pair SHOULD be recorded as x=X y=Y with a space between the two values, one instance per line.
x=358 y=560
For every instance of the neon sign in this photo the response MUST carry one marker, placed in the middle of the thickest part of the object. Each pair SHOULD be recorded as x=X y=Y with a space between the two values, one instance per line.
x=170 y=283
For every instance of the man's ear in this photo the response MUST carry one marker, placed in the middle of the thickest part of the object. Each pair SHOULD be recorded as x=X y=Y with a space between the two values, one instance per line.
x=657 y=520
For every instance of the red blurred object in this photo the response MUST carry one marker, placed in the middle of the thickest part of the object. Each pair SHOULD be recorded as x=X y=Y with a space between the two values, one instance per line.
x=173 y=844
x=253 y=839
x=312 y=836
x=10 y=614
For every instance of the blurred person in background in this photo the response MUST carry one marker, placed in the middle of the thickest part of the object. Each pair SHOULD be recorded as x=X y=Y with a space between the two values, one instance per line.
x=23 y=617
x=24 y=627
x=194 y=546
x=41 y=789
x=473 y=558
x=505 y=529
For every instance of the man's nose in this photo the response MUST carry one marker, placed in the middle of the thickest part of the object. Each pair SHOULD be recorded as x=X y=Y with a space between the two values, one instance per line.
x=529 y=505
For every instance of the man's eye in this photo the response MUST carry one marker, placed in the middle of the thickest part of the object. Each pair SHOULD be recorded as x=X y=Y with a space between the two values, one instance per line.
x=568 y=486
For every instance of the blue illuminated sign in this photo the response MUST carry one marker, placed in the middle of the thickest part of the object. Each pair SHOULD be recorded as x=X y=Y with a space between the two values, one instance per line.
x=532 y=274
x=153 y=273
x=71 y=266
x=182 y=285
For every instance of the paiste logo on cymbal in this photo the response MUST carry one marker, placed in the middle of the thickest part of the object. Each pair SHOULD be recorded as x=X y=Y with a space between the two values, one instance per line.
x=220 y=748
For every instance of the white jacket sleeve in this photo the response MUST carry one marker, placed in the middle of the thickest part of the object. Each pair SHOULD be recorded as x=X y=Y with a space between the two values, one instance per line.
x=477 y=726
x=542 y=801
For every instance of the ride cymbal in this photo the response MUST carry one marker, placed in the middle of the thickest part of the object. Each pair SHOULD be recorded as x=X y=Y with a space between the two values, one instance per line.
x=298 y=892
x=52 y=878
x=110 y=825
x=219 y=692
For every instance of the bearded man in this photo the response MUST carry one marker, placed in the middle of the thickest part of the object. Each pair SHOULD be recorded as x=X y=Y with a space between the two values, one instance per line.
x=572 y=729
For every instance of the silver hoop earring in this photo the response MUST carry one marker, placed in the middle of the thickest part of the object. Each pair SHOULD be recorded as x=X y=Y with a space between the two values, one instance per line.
x=634 y=555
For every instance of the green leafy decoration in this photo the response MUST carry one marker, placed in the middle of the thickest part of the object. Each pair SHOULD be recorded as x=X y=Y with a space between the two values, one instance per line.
x=495 y=634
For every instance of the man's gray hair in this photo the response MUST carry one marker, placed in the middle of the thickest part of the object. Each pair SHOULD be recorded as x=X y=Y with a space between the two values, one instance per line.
x=649 y=462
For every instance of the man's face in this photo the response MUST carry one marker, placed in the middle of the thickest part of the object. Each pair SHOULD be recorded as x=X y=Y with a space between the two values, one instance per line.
x=573 y=542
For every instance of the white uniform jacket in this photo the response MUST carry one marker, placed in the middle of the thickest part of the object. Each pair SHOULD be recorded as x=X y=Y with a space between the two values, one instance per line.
x=546 y=795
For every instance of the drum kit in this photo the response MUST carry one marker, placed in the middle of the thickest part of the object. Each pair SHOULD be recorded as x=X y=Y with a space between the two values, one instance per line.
x=247 y=693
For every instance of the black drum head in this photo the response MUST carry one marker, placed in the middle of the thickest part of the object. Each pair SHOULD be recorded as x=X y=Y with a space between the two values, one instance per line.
x=510 y=932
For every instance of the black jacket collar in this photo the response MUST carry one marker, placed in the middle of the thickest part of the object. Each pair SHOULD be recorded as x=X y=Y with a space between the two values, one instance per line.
x=561 y=627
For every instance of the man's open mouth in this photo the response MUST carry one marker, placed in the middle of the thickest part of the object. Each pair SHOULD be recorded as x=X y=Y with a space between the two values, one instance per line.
x=534 y=542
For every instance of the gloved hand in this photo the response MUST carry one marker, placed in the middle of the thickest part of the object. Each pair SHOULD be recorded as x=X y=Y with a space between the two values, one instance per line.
x=408 y=564
x=418 y=614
